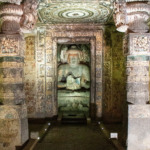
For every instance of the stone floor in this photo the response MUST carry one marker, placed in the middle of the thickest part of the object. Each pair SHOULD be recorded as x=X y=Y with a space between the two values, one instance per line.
x=74 y=137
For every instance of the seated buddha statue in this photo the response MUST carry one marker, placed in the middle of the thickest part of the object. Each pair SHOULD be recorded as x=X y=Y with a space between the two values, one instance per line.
x=73 y=75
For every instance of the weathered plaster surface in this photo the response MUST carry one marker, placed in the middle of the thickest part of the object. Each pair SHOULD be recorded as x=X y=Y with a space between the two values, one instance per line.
x=114 y=75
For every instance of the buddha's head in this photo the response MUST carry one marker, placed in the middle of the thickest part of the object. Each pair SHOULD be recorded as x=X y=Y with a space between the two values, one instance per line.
x=73 y=57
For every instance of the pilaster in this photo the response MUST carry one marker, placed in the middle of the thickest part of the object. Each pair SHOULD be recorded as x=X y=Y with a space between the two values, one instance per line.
x=138 y=91
x=131 y=17
x=13 y=110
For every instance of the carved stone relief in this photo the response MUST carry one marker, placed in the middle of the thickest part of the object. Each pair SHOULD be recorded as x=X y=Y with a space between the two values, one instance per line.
x=47 y=44
x=76 y=35
x=29 y=74
x=29 y=17
x=138 y=68
x=137 y=79
x=11 y=45
x=12 y=88
x=40 y=86
x=139 y=44
x=40 y=71
x=49 y=58
x=13 y=117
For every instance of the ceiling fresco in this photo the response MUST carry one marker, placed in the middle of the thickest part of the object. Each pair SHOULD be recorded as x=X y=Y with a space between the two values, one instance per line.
x=75 y=11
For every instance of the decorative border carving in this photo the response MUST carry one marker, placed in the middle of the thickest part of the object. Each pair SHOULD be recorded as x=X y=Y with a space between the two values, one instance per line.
x=50 y=36
x=96 y=48
x=139 y=44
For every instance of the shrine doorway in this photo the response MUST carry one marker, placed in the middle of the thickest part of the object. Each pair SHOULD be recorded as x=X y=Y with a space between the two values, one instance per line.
x=72 y=36
x=73 y=84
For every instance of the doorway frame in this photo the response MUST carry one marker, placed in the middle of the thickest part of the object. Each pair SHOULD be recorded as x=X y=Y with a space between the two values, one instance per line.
x=74 y=36
x=81 y=40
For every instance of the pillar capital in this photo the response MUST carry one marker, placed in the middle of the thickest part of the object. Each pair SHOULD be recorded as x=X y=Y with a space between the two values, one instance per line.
x=12 y=1
x=18 y=18
x=11 y=15
x=132 y=16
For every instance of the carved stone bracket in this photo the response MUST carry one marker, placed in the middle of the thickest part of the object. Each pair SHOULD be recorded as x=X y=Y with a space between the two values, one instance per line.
x=139 y=44
x=29 y=17
x=132 y=16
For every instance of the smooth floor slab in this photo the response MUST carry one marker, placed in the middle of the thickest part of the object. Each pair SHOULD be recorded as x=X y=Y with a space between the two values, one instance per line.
x=74 y=137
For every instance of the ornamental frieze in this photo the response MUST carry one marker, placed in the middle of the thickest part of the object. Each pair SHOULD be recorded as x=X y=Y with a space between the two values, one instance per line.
x=40 y=86
x=11 y=73
x=139 y=44
x=137 y=63
x=9 y=46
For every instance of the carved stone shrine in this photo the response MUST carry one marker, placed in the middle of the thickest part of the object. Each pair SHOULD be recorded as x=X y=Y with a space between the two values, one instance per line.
x=62 y=58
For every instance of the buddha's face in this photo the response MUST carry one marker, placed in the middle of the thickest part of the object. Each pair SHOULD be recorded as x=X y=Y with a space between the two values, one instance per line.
x=73 y=60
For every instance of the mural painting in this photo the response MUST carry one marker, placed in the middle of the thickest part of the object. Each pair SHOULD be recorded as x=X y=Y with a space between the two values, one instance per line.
x=29 y=73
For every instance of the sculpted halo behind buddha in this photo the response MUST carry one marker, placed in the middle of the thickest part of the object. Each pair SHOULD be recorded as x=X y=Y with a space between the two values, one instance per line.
x=74 y=79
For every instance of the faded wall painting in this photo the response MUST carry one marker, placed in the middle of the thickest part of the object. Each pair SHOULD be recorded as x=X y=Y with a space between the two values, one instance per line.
x=43 y=60
x=73 y=79
x=29 y=75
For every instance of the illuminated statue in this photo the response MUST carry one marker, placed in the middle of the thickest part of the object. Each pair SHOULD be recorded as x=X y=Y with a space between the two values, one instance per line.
x=73 y=75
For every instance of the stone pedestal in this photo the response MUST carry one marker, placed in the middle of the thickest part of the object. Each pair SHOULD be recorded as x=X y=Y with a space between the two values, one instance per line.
x=13 y=125
x=138 y=127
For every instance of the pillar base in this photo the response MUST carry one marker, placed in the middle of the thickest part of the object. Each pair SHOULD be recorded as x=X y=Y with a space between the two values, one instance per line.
x=138 y=127
x=13 y=126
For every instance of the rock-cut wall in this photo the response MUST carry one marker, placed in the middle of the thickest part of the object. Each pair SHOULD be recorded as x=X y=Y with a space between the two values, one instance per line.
x=114 y=76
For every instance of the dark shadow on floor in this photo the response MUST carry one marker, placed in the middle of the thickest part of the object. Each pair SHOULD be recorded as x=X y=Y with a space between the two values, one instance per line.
x=74 y=137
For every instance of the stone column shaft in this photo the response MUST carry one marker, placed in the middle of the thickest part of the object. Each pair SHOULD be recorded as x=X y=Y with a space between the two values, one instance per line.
x=138 y=91
x=13 y=111
x=131 y=16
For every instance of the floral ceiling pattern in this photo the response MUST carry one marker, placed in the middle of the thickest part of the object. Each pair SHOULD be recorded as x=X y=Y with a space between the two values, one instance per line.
x=75 y=11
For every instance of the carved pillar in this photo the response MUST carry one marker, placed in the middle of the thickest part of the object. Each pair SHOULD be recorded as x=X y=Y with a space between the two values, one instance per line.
x=131 y=18
x=138 y=91
x=13 y=112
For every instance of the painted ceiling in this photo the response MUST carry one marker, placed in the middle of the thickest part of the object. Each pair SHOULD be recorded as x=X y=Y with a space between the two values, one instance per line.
x=75 y=11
